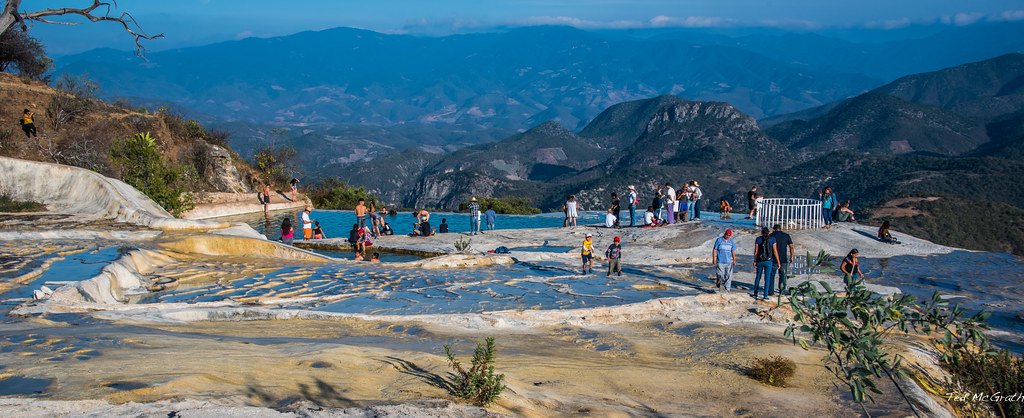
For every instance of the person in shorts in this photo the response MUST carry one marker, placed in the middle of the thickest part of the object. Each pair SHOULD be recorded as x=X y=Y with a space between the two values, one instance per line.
x=614 y=254
x=588 y=253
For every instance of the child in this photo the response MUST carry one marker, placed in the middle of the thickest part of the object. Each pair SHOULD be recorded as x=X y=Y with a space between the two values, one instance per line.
x=609 y=219
x=649 y=217
x=387 y=229
x=614 y=253
x=318 y=232
x=443 y=228
x=588 y=253
x=726 y=209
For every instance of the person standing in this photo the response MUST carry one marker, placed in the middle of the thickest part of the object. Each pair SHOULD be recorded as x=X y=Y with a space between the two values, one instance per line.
x=614 y=254
x=266 y=199
x=697 y=195
x=474 y=216
x=656 y=204
x=690 y=199
x=829 y=204
x=751 y=198
x=490 y=216
x=616 y=209
x=361 y=213
x=28 y=124
x=587 y=253
x=851 y=266
x=571 y=209
x=787 y=252
x=295 y=188
x=631 y=200
x=307 y=224
x=723 y=256
x=684 y=203
x=670 y=203
x=766 y=256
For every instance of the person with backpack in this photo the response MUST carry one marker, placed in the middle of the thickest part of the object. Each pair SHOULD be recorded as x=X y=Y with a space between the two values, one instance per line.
x=723 y=256
x=614 y=254
x=766 y=257
x=631 y=201
x=784 y=244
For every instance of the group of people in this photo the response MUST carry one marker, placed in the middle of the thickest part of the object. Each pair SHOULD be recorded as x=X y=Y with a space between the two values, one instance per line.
x=773 y=253
x=489 y=216
x=833 y=211
x=310 y=229
x=613 y=254
x=668 y=206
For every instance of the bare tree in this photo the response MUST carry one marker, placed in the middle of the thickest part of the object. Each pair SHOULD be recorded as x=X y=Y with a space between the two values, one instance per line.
x=99 y=11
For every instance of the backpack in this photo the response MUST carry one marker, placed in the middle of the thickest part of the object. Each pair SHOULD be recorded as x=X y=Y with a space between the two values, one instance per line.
x=765 y=253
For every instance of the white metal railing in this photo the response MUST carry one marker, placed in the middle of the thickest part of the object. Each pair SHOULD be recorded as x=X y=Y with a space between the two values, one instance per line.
x=791 y=213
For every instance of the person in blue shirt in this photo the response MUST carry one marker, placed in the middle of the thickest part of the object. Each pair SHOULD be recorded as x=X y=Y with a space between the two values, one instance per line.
x=489 y=216
x=723 y=256
x=829 y=204
x=766 y=257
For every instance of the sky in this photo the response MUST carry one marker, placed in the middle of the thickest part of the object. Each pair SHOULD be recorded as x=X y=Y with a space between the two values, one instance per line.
x=198 y=22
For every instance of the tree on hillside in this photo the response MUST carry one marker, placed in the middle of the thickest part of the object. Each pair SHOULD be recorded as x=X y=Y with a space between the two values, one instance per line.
x=98 y=11
x=23 y=55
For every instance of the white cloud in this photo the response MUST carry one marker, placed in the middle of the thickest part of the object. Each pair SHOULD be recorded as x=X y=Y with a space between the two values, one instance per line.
x=581 y=23
x=889 y=24
x=1009 y=16
x=690 y=22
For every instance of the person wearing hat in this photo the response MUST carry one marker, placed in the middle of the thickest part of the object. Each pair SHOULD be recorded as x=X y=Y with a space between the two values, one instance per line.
x=697 y=196
x=766 y=257
x=631 y=200
x=614 y=253
x=588 y=253
x=723 y=256
x=307 y=224
x=474 y=216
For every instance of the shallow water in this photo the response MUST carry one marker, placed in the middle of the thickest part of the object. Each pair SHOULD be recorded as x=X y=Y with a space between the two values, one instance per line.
x=80 y=264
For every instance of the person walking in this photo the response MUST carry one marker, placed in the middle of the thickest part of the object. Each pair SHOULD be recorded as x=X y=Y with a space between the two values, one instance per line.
x=851 y=266
x=614 y=254
x=360 y=210
x=723 y=256
x=751 y=202
x=490 y=216
x=670 y=203
x=631 y=201
x=307 y=223
x=474 y=216
x=697 y=195
x=829 y=204
x=571 y=209
x=766 y=256
x=616 y=209
x=28 y=124
x=787 y=252
x=587 y=253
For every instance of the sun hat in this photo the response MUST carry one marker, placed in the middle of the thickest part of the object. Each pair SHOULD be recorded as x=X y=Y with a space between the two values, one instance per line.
x=632 y=187
x=617 y=239
x=696 y=184
x=473 y=199
x=728 y=232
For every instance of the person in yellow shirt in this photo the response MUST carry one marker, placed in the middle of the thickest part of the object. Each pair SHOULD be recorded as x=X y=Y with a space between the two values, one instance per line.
x=28 y=124
x=588 y=253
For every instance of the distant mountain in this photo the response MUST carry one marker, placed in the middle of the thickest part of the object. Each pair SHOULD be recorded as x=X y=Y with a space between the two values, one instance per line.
x=942 y=112
x=511 y=79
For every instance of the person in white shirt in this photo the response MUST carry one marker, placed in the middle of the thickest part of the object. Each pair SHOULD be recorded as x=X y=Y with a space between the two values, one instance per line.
x=307 y=224
x=670 y=203
x=698 y=195
x=609 y=219
x=649 y=216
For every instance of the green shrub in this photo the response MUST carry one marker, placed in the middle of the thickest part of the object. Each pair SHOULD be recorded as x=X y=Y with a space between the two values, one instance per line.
x=978 y=372
x=335 y=194
x=773 y=370
x=7 y=204
x=143 y=167
x=194 y=129
x=504 y=205
x=275 y=163
x=462 y=244
x=479 y=385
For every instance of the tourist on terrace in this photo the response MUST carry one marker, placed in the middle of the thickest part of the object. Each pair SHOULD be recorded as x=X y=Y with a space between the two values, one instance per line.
x=766 y=257
x=696 y=194
x=266 y=199
x=614 y=255
x=829 y=204
x=725 y=209
x=851 y=265
x=571 y=210
x=587 y=253
x=307 y=223
x=691 y=201
x=649 y=219
x=443 y=228
x=845 y=214
x=656 y=203
x=375 y=258
x=670 y=203
x=752 y=202
x=632 y=202
x=489 y=218
x=616 y=209
x=474 y=216
x=295 y=188
x=787 y=252
x=28 y=124
x=318 y=232
x=885 y=236
x=360 y=211
x=287 y=232
x=354 y=239
x=375 y=220
x=609 y=219
x=723 y=257
x=683 y=203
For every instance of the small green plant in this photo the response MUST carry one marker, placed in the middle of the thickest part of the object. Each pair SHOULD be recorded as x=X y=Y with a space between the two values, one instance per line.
x=772 y=370
x=462 y=244
x=504 y=205
x=979 y=372
x=143 y=167
x=7 y=204
x=823 y=259
x=479 y=385
x=194 y=129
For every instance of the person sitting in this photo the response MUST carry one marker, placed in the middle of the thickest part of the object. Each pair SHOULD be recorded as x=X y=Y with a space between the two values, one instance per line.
x=375 y=258
x=318 y=232
x=287 y=232
x=415 y=230
x=386 y=229
x=649 y=219
x=845 y=214
x=885 y=236
x=609 y=219
x=725 y=209
x=425 y=230
x=354 y=239
x=358 y=257
x=443 y=228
